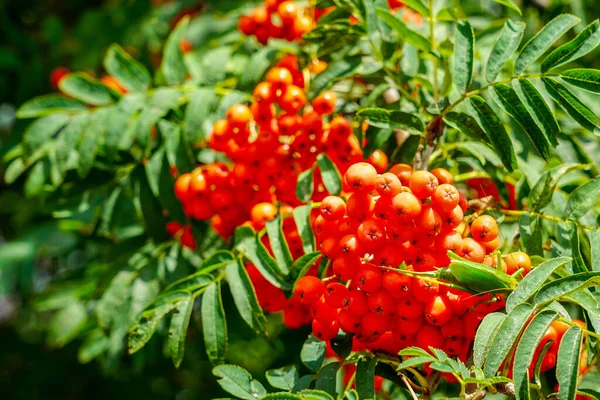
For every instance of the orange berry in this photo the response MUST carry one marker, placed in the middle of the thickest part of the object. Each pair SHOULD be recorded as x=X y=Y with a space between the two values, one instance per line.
x=361 y=177
x=292 y=99
x=443 y=175
x=182 y=187
x=445 y=197
x=239 y=115
x=517 y=260
x=333 y=208
x=403 y=172
x=423 y=184
x=472 y=250
x=484 y=228
x=406 y=206
x=379 y=160
x=262 y=212
x=324 y=104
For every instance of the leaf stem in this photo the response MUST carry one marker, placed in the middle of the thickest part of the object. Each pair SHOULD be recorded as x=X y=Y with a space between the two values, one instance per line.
x=410 y=389
x=518 y=213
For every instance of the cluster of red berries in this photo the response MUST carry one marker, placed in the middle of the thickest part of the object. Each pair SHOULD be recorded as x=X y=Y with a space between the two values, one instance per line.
x=277 y=19
x=389 y=219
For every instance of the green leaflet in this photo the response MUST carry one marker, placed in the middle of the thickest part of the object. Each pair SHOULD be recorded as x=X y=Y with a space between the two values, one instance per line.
x=238 y=382
x=542 y=191
x=506 y=44
x=178 y=328
x=572 y=105
x=302 y=219
x=389 y=119
x=406 y=34
x=485 y=334
x=335 y=70
x=332 y=179
x=130 y=73
x=585 y=42
x=510 y=4
x=305 y=185
x=279 y=245
x=173 y=65
x=582 y=199
x=365 y=378
x=49 y=104
x=83 y=87
x=538 y=108
x=558 y=288
x=214 y=325
x=244 y=297
x=463 y=56
x=284 y=378
x=567 y=363
x=586 y=79
x=543 y=40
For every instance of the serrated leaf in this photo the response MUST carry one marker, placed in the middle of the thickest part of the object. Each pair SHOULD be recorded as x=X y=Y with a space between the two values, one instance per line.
x=66 y=324
x=279 y=245
x=89 y=145
x=463 y=56
x=507 y=98
x=14 y=170
x=114 y=298
x=530 y=230
x=332 y=179
x=284 y=378
x=505 y=338
x=538 y=108
x=302 y=219
x=572 y=105
x=413 y=352
x=335 y=71
x=415 y=361
x=510 y=4
x=507 y=43
x=177 y=149
x=582 y=199
x=565 y=286
x=214 y=325
x=83 y=87
x=390 y=119
x=281 y=396
x=238 y=382
x=586 y=41
x=154 y=221
x=485 y=334
x=130 y=73
x=584 y=78
x=313 y=353
x=543 y=40
x=442 y=367
x=309 y=394
x=202 y=104
x=49 y=104
x=544 y=188
x=466 y=124
x=495 y=131
x=327 y=378
x=178 y=328
x=34 y=184
x=534 y=281
x=244 y=297
x=595 y=246
x=305 y=185
x=406 y=34
x=173 y=65
x=365 y=378
x=567 y=363
x=526 y=348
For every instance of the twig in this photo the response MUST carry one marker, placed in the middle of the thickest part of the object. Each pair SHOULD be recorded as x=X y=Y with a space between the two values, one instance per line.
x=408 y=385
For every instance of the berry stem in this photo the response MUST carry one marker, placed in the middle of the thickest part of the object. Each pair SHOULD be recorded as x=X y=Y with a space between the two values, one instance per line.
x=409 y=386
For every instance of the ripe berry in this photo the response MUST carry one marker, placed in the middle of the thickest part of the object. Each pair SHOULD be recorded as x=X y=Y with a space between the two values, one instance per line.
x=424 y=290
x=450 y=240
x=382 y=303
x=430 y=336
x=409 y=308
x=438 y=311
x=453 y=346
x=371 y=233
x=443 y=175
x=350 y=244
x=356 y=302
x=262 y=212
x=334 y=294
x=288 y=10
x=472 y=250
x=376 y=324
x=182 y=187
x=325 y=330
x=361 y=177
x=406 y=206
x=379 y=160
x=359 y=206
x=331 y=247
x=388 y=185
x=185 y=46
x=322 y=312
x=238 y=116
x=452 y=329
x=333 y=208
x=264 y=93
x=309 y=289
x=396 y=284
x=403 y=172
x=452 y=218
x=445 y=197
x=340 y=128
x=324 y=103
x=484 y=228
x=515 y=261
x=292 y=100
x=389 y=255
x=279 y=78
x=410 y=326
x=428 y=220
x=423 y=184
x=348 y=321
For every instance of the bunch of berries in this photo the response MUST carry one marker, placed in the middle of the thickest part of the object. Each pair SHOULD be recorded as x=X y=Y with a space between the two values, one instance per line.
x=391 y=219
x=277 y=19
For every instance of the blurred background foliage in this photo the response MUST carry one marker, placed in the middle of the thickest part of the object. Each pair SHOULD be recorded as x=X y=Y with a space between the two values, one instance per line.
x=37 y=36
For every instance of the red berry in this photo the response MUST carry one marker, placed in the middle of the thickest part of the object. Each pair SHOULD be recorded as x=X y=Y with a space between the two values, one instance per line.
x=309 y=289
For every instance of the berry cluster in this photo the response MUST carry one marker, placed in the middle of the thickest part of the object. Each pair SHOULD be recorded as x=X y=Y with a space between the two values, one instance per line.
x=277 y=19
x=270 y=143
x=390 y=219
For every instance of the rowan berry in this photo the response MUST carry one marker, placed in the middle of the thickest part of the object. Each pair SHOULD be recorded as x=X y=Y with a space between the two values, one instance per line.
x=429 y=220
x=446 y=197
x=400 y=232
x=443 y=176
x=403 y=172
x=325 y=330
x=292 y=100
x=238 y=116
x=331 y=247
x=295 y=316
x=388 y=185
x=309 y=289
x=473 y=251
x=324 y=103
x=396 y=284
x=348 y=321
x=356 y=302
x=516 y=261
x=185 y=46
x=247 y=25
x=410 y=308
x=361 y=177
x=334 y=294
x=359 y=206
x=410 y=327
x=340 y=127
x=333 y=208
x=383 y=209
x=382 y=303
x=350 y=244
x=345 y=266
x=322 y=312
x=423 y=184
x=264 y=93
x=471 y=321
x=279 y=78
x=301 y=26
x=346 y=226
x=407 y=206
x=430 y=336
x=389 y=255
x=375 y=324
x=324 y=228
x=288 y=10
x=438 y=311
x=379 y=160
x=453 y=346
x=452 y=219
x=371 y=234
x=452 y=329
x=450 y=240
x=560 y=327
x=369 y=278
x=424 y=260
x=484 y=228
x=182 y=187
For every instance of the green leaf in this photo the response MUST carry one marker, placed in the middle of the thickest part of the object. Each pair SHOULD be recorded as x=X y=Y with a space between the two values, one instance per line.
x=534 y=281
x=279 y=245
x=202 y=104
x=505 y=338
x=544 y=188
x=507 y=98
x=177 y=149
x=42 y=130
x=302 y=219
x=303 y=264
x=463 y=56
x=335 y=71
x=365 y=378
x=543 y=40
x=93 y=346
x=530 y=230
x=83 y=87
x=418 y=6
x=66 y=324
x=260 y=61
x=565 y=286
x=415 y=362
x=485 y=334
x=89 y=145
x=507 y=43
x=538 y=108
x=327 y=378
x=154 y=221
x=567 y=363
x=238 y=382
x=114 y=298
x=406 y=34
x=244 y=297
x=586 y=41
x=495 y=131
x=351 y=395
x=466 y=124
x=332 y=179
x=305 y=185
x=309 y=394
x=595 y=246
x=131 y=74
x=526 y=348
x=281 y=396
x=14 y=170
x=584 y=78
x=389 y=119
x=572 y=105
x=284 y=378
x=510 y=4
x=582 y=199
x=173 y=65
x=214 y=324
x=413 y=352
x=178 y=328
x=313 y=353
x=49 y=104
